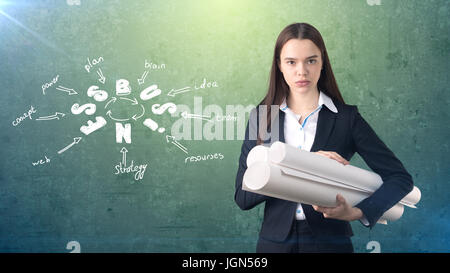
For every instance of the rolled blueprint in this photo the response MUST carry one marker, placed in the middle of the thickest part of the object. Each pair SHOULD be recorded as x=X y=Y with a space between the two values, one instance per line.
x=289 y=173
x=289 y=156
x=280 y=182
x=258 y=153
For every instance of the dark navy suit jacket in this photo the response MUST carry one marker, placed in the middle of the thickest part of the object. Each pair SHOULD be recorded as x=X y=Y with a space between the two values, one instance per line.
x=345 y=132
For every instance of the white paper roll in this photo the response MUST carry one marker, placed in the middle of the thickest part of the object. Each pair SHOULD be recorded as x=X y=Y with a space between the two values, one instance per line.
x=281 y=182
x=323 y=167
x=259 y=153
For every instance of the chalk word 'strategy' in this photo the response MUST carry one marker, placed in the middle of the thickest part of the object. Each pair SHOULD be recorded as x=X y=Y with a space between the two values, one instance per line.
x=139 y=170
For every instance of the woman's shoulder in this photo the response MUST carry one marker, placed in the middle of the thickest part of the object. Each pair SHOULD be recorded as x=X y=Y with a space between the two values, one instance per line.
x=345 y=109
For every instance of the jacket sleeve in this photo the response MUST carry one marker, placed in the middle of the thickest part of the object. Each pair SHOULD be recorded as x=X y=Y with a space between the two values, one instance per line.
x=244 y=199
x=397 y=182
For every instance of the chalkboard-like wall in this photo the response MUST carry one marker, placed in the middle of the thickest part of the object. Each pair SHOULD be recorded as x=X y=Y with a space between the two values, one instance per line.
x=122 y=121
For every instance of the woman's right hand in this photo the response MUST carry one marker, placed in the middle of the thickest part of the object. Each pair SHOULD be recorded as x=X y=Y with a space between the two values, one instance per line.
x=333 y=155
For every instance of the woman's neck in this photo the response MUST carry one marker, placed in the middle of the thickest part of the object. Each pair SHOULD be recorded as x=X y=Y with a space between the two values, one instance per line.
x=303 y=103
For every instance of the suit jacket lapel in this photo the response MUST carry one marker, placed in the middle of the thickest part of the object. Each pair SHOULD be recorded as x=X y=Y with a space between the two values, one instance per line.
x=281 y=125
x=325 y=124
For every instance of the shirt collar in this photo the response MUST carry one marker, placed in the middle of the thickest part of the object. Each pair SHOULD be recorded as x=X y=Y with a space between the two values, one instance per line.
x=323 y=100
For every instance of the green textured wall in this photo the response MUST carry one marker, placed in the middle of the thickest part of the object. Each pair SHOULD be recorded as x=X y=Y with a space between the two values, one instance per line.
x=391 y=59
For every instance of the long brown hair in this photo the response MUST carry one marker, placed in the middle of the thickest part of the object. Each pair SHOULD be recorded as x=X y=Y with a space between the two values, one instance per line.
x=278 y=88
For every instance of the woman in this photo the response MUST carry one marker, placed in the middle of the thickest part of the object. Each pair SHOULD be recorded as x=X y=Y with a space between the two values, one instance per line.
x=310 y=114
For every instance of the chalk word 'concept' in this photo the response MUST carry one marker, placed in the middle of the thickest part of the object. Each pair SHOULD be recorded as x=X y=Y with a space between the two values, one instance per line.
x=25 y=115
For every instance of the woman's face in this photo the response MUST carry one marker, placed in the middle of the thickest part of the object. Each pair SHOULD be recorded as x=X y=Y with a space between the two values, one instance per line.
x=301 y=63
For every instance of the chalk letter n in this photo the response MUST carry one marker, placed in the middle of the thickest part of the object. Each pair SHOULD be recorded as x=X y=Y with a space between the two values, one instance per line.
x=123 y=132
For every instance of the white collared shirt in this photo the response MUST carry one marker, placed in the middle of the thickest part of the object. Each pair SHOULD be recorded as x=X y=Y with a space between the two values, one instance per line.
x=302 y=135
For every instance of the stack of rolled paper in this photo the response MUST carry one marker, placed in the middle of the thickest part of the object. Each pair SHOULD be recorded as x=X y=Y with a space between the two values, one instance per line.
x=289 y=173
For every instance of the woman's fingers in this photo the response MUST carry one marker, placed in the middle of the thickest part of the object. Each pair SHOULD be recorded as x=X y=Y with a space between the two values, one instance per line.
x=323 y=209
x=334 y=155
x=326 y=212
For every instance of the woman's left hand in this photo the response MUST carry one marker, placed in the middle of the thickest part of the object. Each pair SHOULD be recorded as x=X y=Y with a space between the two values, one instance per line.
x=343 y=211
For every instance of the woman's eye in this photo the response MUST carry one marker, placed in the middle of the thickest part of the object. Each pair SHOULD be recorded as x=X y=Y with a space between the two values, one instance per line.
x=291 y=62
x=312 y=61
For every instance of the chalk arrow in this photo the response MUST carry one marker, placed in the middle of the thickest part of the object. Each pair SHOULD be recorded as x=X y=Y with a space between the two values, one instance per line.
x=67 y=90
x=142 y=79
x=76 y=140
x=185 y=115
x=116 y=119
x=173 y=92
x=57 y=115
x=113 y=100
x=138 y=117
x=176 y=143
x=100 y=74
x=168 y=138
x=134 y=100
x=124 y=152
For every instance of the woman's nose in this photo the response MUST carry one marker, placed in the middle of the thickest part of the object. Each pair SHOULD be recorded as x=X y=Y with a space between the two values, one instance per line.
x=301 y=70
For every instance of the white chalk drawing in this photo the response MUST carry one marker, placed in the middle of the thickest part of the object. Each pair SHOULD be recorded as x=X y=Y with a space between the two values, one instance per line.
x=112 y=100
x=123 y=132
x=90 y=64
x=185 y=115
x=173 y=92
x=93 y=126
x=69 y=91
x=220 y=118
x=134 y=101
x=374 y=2
x=176 y=143
x=41 y=161
x=150 y=123
x=99 y=95
x=49 y=84
x=109 y=114
x=232 y=129
x=122 y=168
x=102 y=77
x=57 y=116
x=199 y=158
x=150 y=92
x=158 y=109
x=204 y=85
x=124 y=156
x=374 y=246
x=150 y=65
x=88 y=108
x=123 y=87
x=74 y=246
x=124 y=124
x=135 y=117
x=141 y=80
x=76 y=140
x=24 y=116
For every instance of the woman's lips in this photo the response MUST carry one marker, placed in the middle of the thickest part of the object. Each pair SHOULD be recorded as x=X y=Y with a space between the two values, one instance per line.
x=302 y=83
